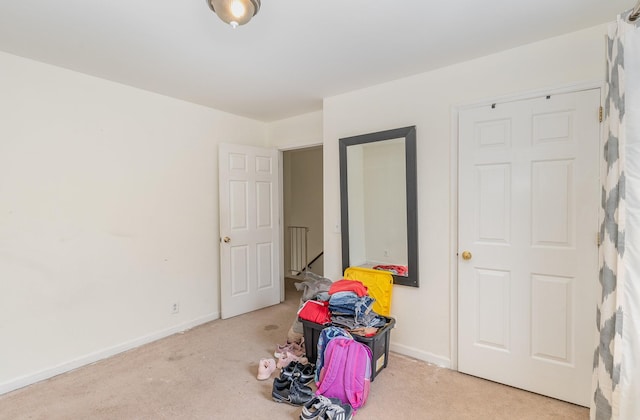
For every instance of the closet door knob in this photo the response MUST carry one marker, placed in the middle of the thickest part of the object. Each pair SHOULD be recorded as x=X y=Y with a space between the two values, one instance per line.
x=466 y=255
x=227 y=239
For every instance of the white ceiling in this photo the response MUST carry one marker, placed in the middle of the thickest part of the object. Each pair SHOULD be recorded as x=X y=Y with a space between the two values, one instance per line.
x=291 y=55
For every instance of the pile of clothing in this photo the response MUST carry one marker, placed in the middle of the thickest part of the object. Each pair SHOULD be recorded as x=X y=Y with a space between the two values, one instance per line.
x=312 y=287
x=346 y=304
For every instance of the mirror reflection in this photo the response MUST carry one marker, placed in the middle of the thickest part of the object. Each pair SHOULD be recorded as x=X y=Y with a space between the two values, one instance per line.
x=378 y=206
x=378 y=203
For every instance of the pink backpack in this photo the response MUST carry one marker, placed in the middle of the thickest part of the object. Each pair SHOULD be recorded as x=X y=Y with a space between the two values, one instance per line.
x=346 y=373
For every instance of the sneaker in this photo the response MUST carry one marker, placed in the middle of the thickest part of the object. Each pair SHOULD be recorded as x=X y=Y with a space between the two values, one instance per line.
x=290 y=392
x=265 y=368
x=294 y=348
x=315 y=408
x=338 y=410
x=286 y=358
x=302 y=372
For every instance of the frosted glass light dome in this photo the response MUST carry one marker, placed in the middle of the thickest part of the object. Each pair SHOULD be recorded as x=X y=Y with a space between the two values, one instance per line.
x=235 y=12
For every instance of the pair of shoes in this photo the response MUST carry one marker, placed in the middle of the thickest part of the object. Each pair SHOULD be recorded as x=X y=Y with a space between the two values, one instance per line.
x=290 y=391
x=304 y=372
x=265 y=368
x=296 y=348
x=323 y=408
x=286 y=358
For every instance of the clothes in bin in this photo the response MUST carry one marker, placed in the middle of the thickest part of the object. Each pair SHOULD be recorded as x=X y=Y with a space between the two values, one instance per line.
x=379 y=343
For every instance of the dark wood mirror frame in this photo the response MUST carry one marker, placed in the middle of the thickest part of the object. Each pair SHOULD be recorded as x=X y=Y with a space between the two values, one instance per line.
x=409 y=136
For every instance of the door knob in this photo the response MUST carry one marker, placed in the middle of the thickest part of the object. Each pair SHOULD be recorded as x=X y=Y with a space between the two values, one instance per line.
x=227 y=239
x=466 y=255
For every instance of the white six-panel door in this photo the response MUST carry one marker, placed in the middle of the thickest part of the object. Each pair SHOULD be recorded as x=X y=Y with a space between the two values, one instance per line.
x=528 y=217
x=249 y=228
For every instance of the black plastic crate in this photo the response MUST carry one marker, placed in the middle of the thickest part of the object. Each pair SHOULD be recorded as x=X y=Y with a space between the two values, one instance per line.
x=379 y=343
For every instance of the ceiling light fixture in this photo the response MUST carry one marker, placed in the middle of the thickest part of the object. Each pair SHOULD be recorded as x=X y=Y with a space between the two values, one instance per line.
x=235 y=12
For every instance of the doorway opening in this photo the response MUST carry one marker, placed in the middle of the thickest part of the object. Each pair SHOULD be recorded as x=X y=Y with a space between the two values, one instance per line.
x=302 y=208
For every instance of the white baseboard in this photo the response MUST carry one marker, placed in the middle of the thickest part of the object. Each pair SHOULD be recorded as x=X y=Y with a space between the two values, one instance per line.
x=421 y=355
x=101 y=354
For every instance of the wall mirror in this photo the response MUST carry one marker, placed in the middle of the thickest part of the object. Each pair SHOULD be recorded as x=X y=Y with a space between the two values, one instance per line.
x=378 y=200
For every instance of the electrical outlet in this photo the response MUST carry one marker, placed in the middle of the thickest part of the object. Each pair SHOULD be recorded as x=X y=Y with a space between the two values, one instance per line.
x=175 y=307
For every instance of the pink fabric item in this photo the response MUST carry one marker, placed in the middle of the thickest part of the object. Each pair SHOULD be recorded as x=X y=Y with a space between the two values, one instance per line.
x=346 y=285
x=400 y=270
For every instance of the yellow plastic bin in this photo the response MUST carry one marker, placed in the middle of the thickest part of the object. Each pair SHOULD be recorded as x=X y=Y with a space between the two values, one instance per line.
x=379 y=283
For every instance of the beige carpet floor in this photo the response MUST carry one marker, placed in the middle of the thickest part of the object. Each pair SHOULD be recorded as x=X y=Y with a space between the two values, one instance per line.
x=209 y=372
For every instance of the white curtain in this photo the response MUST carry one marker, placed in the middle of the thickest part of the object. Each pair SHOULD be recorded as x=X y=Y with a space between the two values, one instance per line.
x=616 y=376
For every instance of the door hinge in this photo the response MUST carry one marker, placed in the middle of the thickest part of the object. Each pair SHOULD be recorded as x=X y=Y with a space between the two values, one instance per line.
x=598 y=240
x=600 y=111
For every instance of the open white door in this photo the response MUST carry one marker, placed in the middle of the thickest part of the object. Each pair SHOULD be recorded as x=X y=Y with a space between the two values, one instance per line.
x=528 y=223
x=249 y=229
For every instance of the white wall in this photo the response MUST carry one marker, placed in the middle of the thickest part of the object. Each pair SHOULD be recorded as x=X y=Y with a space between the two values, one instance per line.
x=300 y=131
x=108 y=215
x=427 y=100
